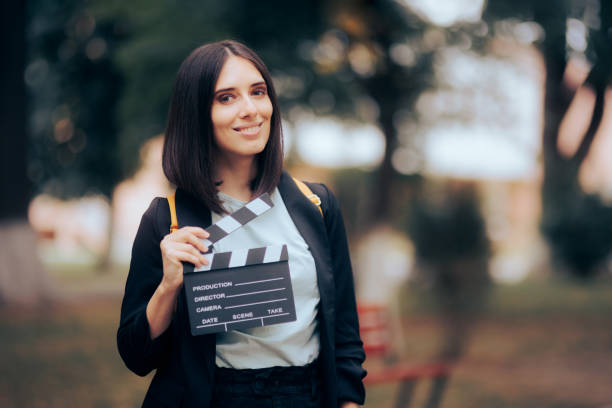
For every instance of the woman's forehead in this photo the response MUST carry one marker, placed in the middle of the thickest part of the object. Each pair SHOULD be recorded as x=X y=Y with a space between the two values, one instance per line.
x=237 y=72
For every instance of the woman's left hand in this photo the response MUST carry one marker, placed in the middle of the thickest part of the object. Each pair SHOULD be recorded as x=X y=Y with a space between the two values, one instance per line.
x=349 y=405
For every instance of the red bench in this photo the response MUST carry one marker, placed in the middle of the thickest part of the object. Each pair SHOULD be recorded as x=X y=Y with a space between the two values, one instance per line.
x=376 y=335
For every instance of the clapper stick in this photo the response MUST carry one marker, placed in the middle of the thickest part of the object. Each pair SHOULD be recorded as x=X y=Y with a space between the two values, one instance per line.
x=237 y=219
x=244 y=257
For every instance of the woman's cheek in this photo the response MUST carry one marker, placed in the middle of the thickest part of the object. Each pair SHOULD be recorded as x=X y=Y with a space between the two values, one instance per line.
x=266 y=108
x=223 y=115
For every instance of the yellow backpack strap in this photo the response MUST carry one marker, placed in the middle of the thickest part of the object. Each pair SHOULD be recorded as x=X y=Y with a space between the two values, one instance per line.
x=309 y=194
x=173 y=220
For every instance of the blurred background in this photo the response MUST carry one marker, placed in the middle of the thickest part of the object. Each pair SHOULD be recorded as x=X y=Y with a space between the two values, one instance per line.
x=468 y=142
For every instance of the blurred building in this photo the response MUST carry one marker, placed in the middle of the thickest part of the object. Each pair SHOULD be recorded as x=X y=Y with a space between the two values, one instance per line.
x=82 y=231
x=133 y=196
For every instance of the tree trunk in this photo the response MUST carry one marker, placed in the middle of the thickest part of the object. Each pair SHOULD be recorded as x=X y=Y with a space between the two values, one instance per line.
x=13 y=178
x=381 y=207
x=22 y=279
x=557 y=96
x=568 y=216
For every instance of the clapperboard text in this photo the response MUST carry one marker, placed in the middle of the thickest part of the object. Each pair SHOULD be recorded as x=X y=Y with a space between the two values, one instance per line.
x=243 y=288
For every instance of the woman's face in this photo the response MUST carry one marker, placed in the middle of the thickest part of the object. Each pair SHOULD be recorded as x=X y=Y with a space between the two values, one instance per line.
x=241 y=110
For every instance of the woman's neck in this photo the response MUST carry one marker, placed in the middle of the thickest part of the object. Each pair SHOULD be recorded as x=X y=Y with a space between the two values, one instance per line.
x=236 y=177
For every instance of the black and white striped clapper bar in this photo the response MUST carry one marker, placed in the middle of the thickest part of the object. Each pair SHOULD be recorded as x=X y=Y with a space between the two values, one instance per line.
x=237 y=219
x=243 y=288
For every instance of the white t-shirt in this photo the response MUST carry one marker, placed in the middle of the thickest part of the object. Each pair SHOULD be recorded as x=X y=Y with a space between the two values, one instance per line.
x=286 y=344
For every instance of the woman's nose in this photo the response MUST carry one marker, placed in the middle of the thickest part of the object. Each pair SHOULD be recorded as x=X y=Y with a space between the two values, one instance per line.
x=248 y=107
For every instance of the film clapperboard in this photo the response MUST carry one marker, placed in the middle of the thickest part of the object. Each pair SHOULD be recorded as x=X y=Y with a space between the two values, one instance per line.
x=240 y=289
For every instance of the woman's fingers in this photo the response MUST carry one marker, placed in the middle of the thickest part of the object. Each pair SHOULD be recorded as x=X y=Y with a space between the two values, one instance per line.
x=191 y=245
x=197 y=231
x=196 y=242
x=193 y=251
x=192 y=235
x=187 y=255
x=184 y=245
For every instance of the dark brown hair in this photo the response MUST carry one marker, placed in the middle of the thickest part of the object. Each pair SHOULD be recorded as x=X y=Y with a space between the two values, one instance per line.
x=188 y=160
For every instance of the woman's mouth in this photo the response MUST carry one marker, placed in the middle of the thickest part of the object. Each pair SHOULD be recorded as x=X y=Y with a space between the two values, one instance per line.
x=252 y=130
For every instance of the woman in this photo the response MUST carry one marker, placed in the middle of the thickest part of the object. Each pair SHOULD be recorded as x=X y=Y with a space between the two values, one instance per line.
x=223 y=147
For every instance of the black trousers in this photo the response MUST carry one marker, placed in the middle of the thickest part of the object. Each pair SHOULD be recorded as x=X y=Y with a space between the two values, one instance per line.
x=274 y=387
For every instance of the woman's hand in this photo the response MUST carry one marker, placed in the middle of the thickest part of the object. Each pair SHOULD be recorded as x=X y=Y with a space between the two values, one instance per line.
x=184 y=245
x=349 y=405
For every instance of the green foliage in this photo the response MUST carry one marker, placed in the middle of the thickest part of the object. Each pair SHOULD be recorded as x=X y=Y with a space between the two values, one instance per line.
x=100 y=75
x=328 y=58
x=308 y=46
x=73 y=88
x=159 y=36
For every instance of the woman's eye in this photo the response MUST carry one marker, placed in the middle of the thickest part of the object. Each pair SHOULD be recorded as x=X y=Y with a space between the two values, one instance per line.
x=225 y=98
x=260 y=91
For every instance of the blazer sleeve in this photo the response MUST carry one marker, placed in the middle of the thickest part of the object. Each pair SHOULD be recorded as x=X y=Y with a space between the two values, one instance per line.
x=140 y=353
x=349 y=347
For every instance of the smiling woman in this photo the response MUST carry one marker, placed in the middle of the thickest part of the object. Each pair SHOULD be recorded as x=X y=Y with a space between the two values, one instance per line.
x=241 y=113
x=223 y=148
x=221 y=92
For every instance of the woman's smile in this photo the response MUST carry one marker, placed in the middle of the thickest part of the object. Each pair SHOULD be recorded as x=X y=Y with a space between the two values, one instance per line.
x=249 y=130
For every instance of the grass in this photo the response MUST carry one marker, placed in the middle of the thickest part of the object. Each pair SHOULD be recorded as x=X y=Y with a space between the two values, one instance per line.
x=537 y=344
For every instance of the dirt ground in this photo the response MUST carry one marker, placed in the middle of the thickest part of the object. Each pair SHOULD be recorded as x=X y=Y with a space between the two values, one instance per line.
x=545 y=361
x=554 y=353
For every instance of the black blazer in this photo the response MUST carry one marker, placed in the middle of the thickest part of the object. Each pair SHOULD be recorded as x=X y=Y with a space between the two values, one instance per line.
x=185 y=364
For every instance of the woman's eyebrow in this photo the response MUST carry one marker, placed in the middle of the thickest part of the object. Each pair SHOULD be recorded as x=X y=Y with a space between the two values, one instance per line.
x=224 y=90
x=233 y=88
